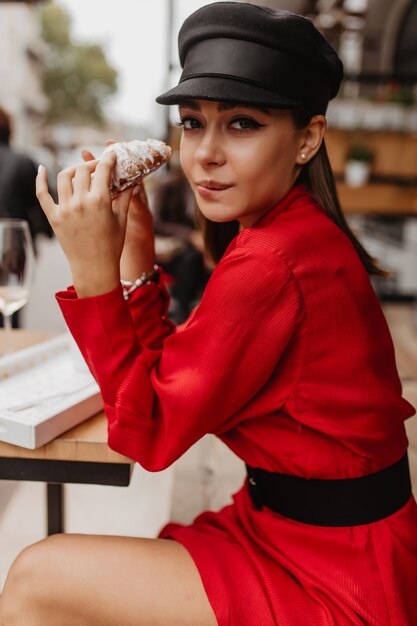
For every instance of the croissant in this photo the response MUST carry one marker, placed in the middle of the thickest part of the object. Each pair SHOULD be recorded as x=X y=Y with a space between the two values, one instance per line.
x=135 y=160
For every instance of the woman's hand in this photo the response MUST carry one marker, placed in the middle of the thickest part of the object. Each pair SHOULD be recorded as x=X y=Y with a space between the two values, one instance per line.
x=88 y=223
x=139 y=247
x=139 y=250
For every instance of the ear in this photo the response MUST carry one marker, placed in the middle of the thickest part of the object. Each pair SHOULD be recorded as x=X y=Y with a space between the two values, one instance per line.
x=311 y=139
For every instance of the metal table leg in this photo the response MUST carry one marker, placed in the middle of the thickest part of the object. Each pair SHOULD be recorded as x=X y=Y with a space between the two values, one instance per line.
x=55 y=508
x=61 y=472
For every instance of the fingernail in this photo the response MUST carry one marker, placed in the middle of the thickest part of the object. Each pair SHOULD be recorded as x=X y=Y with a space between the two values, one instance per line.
x=41 y=169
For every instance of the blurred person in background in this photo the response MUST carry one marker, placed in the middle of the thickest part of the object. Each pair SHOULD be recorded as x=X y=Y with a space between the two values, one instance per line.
x=17 y=183
x=179 y=243
x=17 y=189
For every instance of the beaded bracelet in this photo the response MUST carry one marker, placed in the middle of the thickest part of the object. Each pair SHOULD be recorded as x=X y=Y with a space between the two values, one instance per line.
x=145 y=278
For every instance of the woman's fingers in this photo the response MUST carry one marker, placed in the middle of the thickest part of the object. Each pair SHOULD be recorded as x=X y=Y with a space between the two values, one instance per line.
x=122 y=201
x=102 y=176
x=75 y=183
x=87 y=155
x=79 y=175
x=82 y=178
x=140 y=194
x=64 y=184
x=42 y=193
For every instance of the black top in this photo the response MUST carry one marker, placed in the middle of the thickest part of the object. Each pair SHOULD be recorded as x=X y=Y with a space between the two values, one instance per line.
x=17 y=191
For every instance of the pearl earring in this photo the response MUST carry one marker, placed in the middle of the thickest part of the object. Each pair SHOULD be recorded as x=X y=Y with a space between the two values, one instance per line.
x=303 y=156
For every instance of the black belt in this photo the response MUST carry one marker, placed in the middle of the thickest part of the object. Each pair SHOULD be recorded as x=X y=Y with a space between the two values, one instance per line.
x=345 y=502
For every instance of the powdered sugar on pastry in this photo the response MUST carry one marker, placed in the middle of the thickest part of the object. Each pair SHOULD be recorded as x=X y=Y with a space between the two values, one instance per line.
x=135 y=160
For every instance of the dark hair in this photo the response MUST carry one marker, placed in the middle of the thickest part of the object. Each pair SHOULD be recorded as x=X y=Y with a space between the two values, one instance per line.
x=5 y=126
x=317 y=175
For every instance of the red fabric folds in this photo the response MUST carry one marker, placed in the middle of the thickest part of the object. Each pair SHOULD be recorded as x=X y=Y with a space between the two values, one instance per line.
x=288 y=359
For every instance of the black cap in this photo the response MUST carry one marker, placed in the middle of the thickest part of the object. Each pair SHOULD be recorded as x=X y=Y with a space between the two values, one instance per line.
x=236 y=52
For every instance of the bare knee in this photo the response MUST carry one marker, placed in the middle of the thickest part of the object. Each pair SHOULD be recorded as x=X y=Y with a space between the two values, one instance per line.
x=24 y=600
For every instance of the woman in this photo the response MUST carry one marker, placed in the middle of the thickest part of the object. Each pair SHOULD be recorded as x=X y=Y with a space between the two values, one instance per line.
x=287 y=359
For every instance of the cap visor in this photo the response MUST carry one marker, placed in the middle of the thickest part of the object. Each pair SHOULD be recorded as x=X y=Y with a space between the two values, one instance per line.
x=225 y=90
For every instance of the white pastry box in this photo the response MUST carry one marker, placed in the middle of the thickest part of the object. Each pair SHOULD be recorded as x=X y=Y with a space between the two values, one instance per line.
x=45 y=390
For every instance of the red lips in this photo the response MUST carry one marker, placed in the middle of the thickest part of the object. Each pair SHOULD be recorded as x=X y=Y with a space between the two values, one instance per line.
x=212 y=185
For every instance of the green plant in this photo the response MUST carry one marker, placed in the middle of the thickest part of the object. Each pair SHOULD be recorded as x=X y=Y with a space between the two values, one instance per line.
x=402 y=94
x=77 y=77
x=360 y=151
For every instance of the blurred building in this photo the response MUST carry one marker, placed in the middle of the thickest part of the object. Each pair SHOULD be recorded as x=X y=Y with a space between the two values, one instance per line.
x=374 y=37
x=21 y=50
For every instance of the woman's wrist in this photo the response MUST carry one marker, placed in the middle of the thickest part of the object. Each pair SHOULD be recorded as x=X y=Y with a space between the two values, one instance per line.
x=87 y=284
x=137 y=258
x=138 y=235
x=143 y=279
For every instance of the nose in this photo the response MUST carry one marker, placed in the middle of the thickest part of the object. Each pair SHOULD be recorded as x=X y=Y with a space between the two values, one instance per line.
x=210 y=150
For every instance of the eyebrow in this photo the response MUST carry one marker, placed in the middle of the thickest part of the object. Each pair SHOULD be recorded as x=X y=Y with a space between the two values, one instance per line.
x=224 y=106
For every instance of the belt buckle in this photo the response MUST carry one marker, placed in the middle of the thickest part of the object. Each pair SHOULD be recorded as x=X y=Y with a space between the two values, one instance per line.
x=254 y=492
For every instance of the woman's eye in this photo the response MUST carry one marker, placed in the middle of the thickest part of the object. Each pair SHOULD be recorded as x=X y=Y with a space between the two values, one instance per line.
x=244 y=123
x=189 y=123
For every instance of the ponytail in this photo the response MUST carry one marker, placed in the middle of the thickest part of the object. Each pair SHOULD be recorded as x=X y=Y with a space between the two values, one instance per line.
x=321 y=182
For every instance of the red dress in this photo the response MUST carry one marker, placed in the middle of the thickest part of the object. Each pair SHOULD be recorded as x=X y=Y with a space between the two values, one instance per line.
x=287 y=359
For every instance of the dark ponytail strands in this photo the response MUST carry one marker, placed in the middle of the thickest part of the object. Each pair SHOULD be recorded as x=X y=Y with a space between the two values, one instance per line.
x=323 y=187
x=318 y=176
x=217 y=236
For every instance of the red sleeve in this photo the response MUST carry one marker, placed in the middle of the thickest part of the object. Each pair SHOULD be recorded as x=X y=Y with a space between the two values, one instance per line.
x=148 y=307
x=160 y=401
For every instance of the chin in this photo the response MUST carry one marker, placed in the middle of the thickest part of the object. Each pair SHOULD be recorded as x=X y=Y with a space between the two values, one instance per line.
x=218 y=219
x=219 y=214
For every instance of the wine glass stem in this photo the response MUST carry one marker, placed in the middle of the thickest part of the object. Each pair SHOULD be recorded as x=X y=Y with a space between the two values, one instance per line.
x=7 y=321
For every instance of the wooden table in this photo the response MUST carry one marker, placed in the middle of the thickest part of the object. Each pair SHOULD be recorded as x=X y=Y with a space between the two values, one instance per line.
x=81 y=455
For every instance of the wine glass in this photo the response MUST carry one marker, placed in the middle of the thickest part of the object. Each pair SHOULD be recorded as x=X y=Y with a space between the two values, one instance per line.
x=17 y=262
